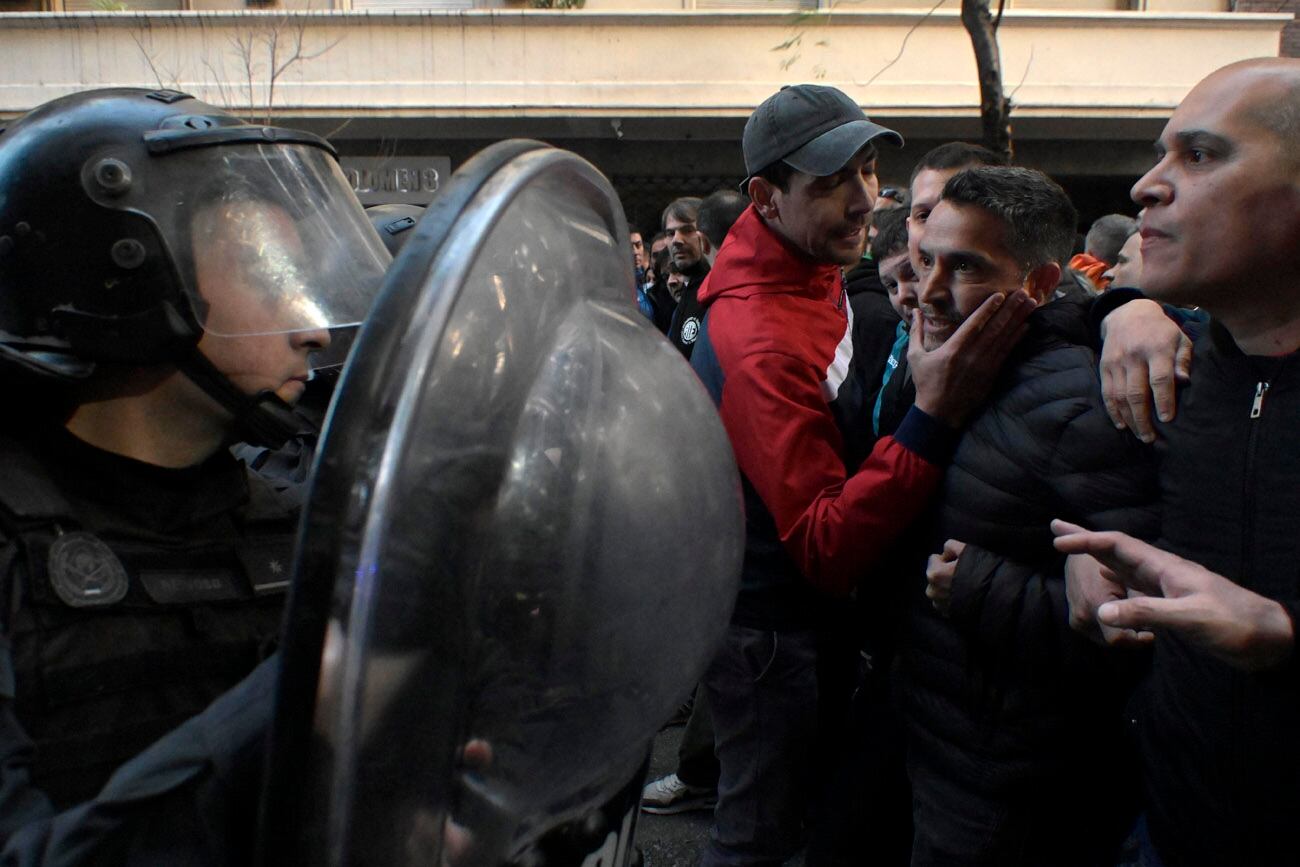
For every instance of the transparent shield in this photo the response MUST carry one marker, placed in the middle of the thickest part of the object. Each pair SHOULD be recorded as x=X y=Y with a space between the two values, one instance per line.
x=284 y=246
x=268 y=237
x=527 y=568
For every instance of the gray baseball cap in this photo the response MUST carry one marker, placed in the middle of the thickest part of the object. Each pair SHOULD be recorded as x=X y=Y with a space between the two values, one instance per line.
x=814 y=128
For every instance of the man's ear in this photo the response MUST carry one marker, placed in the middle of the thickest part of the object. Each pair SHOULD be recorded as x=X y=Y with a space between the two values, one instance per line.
x=705 y=244
x=1041 y=283
x=762 y=193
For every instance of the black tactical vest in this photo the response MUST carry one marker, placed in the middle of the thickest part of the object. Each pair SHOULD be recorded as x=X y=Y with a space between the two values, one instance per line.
x=117 y=634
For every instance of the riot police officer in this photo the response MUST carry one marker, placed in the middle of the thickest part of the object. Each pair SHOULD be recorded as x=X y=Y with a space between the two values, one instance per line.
x=169 y=277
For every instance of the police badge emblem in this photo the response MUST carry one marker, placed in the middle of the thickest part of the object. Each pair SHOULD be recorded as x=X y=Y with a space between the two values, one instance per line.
x=85 y=572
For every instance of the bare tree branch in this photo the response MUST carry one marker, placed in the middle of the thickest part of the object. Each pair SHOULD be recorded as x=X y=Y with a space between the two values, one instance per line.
x=148 y=58
x=981 y=26
x=338 y=129
x=243 y=45
x=297 y=55
x=789 y=43
x=270 y=47
x=219 y=79
x=140 y=37
x=903 y=46
x=272 y=40
x=1011 y=97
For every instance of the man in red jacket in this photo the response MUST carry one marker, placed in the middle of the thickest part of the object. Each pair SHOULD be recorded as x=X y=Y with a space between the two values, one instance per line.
x=776 y=353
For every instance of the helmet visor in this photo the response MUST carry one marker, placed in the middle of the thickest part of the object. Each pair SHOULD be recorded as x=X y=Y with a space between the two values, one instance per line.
x=278 y=243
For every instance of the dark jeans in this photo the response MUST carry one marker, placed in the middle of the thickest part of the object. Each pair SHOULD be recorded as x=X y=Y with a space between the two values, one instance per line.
x=862 y=815
x=763 y=691
x=697 y=764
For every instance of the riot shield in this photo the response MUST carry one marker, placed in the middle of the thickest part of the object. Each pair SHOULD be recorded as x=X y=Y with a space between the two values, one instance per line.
x=522 y=544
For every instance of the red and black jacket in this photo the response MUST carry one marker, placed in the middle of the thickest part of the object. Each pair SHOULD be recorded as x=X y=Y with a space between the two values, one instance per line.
x=776 y=353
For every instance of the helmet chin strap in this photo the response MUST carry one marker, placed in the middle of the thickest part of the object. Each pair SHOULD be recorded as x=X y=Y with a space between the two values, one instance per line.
x=261 y=419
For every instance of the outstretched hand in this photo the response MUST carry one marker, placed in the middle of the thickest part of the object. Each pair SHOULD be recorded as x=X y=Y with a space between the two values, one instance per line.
x=1086 y=589
x=1144 y=356
x=954 y=379
x=1245 y=629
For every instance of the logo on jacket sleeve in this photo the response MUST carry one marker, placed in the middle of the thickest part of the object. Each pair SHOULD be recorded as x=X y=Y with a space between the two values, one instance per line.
x=690 y=330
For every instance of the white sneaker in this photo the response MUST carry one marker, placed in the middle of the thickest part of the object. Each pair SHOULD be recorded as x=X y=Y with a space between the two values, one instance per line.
x=670 y=795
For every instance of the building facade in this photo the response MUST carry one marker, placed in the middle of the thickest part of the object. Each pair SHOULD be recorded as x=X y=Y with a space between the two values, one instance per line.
x=654 y=92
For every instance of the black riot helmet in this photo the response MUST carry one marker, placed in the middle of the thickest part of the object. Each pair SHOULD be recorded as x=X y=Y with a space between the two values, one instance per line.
x=134 y=222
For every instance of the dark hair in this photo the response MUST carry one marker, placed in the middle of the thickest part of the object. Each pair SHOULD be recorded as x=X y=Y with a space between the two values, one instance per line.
x=778 y=174
x=686 y=210
x=891 y=233
x=1108 y=235
x=658 y=236
x=1039 y=217
x=957 y=155
x=718 y=212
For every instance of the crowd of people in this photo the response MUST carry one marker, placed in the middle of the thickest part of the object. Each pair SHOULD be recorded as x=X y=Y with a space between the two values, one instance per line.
x=1022 y=562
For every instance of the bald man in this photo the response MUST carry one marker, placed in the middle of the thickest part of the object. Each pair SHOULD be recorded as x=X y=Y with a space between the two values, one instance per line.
x=1218 y=718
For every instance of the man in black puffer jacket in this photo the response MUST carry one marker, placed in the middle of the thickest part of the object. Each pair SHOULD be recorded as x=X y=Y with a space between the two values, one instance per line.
x=1013 y=720
x=1217 y=716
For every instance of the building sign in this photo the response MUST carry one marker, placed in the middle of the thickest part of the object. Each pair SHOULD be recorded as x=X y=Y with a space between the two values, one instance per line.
x=396 y=180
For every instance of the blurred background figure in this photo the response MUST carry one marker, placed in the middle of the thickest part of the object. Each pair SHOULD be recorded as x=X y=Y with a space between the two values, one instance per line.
x=694 y=785
x=663 y=301
x=1101 y=248
x=688 y=247
x=640 y=267
x=640 y=256
x=866 y=292
x=1127 y=270
x=718 y=213
x=675 y=282
x=890 y=196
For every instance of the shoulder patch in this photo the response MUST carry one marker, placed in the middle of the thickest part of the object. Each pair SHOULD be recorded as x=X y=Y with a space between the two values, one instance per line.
x=85 y=572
